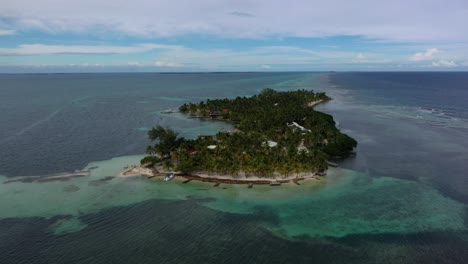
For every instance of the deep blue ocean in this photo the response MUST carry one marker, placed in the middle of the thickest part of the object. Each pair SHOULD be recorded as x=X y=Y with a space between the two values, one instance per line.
x=402 y=199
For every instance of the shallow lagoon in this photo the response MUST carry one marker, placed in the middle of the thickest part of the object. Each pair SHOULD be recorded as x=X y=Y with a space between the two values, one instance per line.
x=343 y=203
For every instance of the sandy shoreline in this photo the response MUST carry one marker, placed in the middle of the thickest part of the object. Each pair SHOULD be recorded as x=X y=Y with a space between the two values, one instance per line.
x=136 y=170
x=314 y=103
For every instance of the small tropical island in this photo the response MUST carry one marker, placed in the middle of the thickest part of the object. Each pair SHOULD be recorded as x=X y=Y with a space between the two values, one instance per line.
x=277 y=137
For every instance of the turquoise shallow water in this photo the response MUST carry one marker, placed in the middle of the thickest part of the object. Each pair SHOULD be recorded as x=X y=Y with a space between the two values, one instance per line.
x=401 y=200
x=344 y=203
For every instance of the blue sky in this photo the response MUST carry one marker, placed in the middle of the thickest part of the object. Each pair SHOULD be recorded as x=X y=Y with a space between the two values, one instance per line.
x=238 y=35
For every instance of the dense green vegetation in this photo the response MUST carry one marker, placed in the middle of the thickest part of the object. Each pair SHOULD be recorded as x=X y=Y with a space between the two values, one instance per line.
x=265 y=141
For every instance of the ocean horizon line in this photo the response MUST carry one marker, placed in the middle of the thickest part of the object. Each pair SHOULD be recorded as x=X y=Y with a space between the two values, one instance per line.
x=224 y=72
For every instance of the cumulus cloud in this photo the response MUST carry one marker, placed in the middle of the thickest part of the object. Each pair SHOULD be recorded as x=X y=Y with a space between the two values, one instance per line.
x=397 y=20
x=426 y=55
x=38 y=49
x=444 y=63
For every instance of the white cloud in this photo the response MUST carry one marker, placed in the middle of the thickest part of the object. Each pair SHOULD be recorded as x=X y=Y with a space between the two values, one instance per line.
x=444 y=63
x=6 y=32
x=439 y=59
x=426 y=55
x=156 y=63
x=134 y=64
x=397 y=20
x=286 y=49
x=360 y=57
x=159 y=63
x=265 y=66
x=39 y=49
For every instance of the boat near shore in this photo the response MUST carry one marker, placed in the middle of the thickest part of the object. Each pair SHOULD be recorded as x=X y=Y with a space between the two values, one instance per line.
x=169 y=176
x=169 y=111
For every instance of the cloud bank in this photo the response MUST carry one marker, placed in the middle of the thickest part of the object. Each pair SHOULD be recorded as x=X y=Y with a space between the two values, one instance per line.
x=444 y=63
x=398 y=20
x=235 y=35
x=41 y=49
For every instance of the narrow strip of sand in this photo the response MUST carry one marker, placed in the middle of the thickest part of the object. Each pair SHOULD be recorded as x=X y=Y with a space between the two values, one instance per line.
x=136 y=170
x=314 y=103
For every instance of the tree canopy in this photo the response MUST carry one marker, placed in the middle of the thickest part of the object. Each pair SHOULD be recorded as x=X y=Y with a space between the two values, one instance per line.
x=275 y=133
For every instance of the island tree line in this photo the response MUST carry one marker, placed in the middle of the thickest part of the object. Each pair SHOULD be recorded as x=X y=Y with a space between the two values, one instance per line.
x=276 y=133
